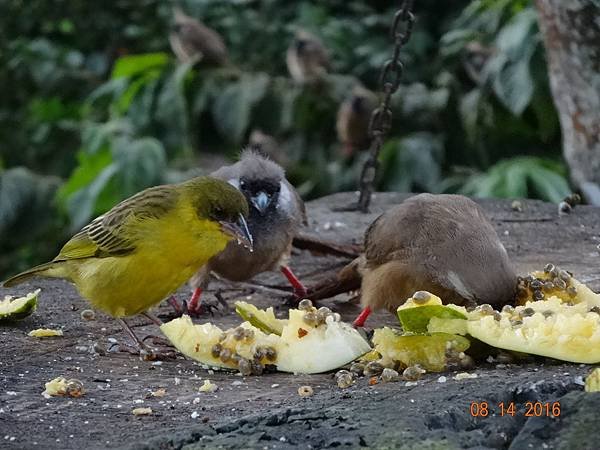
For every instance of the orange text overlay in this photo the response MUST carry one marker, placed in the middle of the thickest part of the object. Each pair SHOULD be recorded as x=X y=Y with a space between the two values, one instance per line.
x=528 y=409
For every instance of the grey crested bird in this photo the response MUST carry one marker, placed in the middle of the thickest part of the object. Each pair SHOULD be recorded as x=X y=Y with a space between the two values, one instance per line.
x=276 y=214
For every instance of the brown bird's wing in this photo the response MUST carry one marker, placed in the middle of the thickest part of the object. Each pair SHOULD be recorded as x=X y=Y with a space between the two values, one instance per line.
x=107 y=234
x=198 y=38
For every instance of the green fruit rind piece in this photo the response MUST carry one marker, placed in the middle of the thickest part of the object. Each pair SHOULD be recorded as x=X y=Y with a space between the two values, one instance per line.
x=427 y=350
x=417 y=319
x=18 y=308
x=262 y=319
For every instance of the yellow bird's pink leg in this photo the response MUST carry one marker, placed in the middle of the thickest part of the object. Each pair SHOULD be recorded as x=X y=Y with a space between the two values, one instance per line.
x=194 y=306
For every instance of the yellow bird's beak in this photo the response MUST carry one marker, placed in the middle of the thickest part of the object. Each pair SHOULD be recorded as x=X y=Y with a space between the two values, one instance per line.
x=239 y=231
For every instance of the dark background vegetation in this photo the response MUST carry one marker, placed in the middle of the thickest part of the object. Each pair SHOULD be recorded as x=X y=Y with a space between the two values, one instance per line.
x=94 y=107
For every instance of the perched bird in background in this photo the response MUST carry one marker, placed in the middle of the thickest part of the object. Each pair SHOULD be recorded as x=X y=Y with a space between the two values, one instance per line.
x=193 y=41
x=475 y=57
x=268 y=145
x=276 y=214
x=144 y=248
x=307 y=58
x=353 y=117
x=443 y=244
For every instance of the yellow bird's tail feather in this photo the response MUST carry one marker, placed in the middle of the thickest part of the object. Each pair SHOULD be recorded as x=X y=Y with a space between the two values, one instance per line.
x=24 y=276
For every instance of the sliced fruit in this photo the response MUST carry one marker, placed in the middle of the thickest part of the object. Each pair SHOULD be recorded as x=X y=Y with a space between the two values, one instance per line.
x=592 y=381
x=263 y=319
x=45 y=332
x=415 y=316
x=549 y=328
x=60 y=386
x=555 y=282
x=426 y=350
x=311 y=341
x=208 y=344
x=18 y=308
x=305 y=348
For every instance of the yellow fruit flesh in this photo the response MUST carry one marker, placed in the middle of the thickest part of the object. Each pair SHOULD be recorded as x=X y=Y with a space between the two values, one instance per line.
x=301 y=348
x=427 y=350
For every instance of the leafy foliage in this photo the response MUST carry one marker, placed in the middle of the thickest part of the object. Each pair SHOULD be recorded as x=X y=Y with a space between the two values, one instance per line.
x=98 y=108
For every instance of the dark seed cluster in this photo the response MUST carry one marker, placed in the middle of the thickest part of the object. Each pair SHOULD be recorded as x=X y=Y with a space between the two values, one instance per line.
x=262 y=357
x=314 y=317
x=554 y=282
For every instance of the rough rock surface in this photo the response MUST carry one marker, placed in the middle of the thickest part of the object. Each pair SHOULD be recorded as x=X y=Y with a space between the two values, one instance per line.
x=266 y=412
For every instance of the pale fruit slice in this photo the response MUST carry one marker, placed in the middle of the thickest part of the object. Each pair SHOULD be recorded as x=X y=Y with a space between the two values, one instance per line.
x=430 y=351
x=18 y=308
x=415 y=314
x=209 y=344
x=263 y=319
x=322 y=347
x=309 y=343
x=547 y=328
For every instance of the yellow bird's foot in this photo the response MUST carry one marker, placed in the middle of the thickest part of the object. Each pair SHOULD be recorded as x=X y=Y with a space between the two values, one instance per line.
x=145 y=352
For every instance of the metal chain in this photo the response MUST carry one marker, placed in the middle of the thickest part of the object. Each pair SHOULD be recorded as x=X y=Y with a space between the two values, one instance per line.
x=381 y=118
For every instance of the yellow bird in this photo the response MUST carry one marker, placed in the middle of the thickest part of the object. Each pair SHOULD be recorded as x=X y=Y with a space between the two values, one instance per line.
x=144 y=248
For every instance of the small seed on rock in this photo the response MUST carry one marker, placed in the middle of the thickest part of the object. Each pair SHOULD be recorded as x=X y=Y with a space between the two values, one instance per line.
x=413 y=373
x=305 y=391
x=357 y=368
x=516 y=205
x=372 y=368
x=344 y=378
x=88 y=314
x=389 y=375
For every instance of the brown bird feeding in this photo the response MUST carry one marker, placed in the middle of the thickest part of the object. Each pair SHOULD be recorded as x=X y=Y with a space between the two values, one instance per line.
x=353 y=117
x=193 y=41
x=307 y=58
x=443 y=244
x=276 y=214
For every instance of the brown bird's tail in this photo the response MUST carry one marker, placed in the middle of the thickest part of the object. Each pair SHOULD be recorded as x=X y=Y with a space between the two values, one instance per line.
x=346 y=280
x=24 y=276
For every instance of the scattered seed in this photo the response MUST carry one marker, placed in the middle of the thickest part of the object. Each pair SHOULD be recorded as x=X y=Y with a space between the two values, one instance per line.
x=310 y=319
x=508 y=309
x=538 y=295
x=270 y=353
x=208 y=387
x=547 y=314
x=239 y=334
x=572 y=291
x=373 y=381
x=357 y=368
x=88 y=314
x=225 y=355
x=216 y=350
x=421 y=297
x=372 y=368
x=486 y=309
x=516 y=205
x=564 y=208
x=389 y=375
x=564 y=275
x=305 y=391
x=560 y=284
x=548 y=286
x=535 y=284
x=595 y=309
x=413 y=373
x=344 y=379
x=305 y=305
x=257 y=368
x=141 y=411
x=527 y=312
x=245 y=367
x=548 y=268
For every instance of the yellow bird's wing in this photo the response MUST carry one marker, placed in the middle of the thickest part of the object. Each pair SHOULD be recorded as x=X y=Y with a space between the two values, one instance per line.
x=110 y=234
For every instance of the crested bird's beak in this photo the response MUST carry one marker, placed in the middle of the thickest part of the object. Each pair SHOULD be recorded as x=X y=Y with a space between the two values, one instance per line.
x=239 y=231
x=261 y=201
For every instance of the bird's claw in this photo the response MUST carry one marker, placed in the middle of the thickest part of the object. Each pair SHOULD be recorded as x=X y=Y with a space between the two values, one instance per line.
x=143 y=351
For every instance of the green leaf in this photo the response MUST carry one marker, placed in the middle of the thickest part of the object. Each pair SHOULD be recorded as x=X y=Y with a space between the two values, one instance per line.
x=89 y=167
x=233 y=106
x=130 y=65
x=140 y=164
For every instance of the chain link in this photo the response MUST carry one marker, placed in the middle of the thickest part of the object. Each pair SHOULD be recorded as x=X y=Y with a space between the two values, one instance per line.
x=381 y=119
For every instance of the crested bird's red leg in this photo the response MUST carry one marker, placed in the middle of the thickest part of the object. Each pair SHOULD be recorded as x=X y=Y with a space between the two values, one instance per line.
x=193 y=305
x=362 y=317
x=299 y=289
